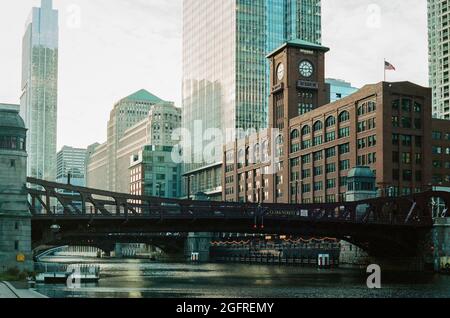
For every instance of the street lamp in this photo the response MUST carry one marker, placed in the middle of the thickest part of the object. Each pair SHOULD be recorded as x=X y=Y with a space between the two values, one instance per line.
x=188 y=183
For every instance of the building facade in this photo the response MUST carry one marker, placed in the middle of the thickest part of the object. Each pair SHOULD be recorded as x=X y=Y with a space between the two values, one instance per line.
x=104 y=160
x=15 y=217
x=154 y=173
x=40 y=90
x=339 y=89
x=135 y=122
x=225 y=73
x=305 y=157
x=71 y=161
x=438 y=44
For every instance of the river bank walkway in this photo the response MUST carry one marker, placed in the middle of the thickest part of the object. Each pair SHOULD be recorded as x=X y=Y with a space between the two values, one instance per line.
x=17 y=290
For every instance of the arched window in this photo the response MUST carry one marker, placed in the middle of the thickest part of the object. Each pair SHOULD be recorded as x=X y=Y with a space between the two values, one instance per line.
x=306 y=130
x=318 y=126
x=344 y=116
x=295 y=134
x=330 y=122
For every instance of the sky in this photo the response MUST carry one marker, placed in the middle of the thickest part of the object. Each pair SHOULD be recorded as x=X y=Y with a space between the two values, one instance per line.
x=109 y=49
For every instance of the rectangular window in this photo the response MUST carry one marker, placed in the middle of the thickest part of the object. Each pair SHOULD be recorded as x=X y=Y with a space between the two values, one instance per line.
x=406 y=140
x=318 y=186
x=406 y=122
x=306 y=188
x=437 y=150
x=372 y=141
x=330 y=136
x=362 y=143
x=395 y=122
x=318 y=171
x=344 y=165
x=317 y=140
x=318 y=155
x=330 y=152
x=344 y=132
x=306 y=173
x=331 y=167
x=331 y=183
x=406 y=158
x=418 y=158
x=306 y=159
x=395 y=139
x=407 y=175
x=343 y=149
x=437 y=135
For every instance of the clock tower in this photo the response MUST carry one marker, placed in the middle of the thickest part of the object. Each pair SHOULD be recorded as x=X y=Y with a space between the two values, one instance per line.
x=297 y=81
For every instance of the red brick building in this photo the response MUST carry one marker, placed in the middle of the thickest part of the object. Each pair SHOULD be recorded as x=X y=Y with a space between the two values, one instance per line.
x=386 y=126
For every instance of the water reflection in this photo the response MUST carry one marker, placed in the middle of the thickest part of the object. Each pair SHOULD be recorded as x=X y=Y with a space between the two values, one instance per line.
x=141 y=279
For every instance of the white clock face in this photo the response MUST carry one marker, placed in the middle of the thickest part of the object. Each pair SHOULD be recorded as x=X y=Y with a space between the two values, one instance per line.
x=306 y=69
x=280 y=71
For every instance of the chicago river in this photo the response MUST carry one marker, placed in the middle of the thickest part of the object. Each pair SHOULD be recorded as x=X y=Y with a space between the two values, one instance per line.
x=145 y=279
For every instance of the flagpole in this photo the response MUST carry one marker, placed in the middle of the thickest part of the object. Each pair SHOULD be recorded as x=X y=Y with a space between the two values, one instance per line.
x=384 y=68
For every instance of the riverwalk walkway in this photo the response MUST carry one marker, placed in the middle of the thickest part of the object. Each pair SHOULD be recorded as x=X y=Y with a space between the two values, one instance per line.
x=7 y=290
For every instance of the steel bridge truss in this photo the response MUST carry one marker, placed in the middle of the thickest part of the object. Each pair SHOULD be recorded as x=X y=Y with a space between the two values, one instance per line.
x=48 y=200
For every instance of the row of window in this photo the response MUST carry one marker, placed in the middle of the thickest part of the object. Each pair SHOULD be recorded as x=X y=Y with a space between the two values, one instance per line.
x=407 y=175
x=10 y=142
x=367 y=108
x=406 y=105
x=318 y=125
x=437 y=135
x=406 y=122
x=406 y=140
x=367 y=142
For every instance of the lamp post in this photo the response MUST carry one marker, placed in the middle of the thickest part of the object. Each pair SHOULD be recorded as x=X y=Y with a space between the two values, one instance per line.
x=188 y=182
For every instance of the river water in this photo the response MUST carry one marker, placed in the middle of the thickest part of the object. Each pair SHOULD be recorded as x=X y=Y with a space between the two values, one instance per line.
x=144 y=279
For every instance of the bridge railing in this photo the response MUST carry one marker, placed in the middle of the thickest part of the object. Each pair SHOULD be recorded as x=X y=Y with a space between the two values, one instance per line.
x=47 y=201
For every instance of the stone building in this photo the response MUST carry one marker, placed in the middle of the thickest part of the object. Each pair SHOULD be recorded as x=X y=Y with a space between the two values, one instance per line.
x=136 y=121
x=15 y=217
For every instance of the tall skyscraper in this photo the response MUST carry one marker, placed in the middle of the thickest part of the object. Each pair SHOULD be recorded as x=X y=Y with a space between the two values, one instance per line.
x=438 y=44
x=71 y=161
x=225 y=71
x=38 y=103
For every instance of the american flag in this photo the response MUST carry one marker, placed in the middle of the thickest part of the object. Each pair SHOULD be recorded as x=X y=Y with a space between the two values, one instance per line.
x=388 y=66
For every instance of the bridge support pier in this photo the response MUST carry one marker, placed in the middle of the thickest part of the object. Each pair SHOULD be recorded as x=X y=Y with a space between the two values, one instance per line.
x=15 y=217
x=197 y=247
x=441 y=243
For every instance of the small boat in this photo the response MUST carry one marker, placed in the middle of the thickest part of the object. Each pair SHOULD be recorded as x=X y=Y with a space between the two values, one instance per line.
x=70 y=274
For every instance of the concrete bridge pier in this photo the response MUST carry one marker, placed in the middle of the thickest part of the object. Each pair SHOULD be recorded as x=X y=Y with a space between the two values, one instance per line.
x=441 y=244
x=197 y=247
x=15 y=217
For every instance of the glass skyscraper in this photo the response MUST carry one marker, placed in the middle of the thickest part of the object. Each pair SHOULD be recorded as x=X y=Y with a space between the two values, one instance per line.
x=225 y=71
x=38 y=103
x=438 y=43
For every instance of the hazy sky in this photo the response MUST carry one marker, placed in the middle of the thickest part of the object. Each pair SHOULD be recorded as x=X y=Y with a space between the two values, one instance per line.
x=111 y=48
